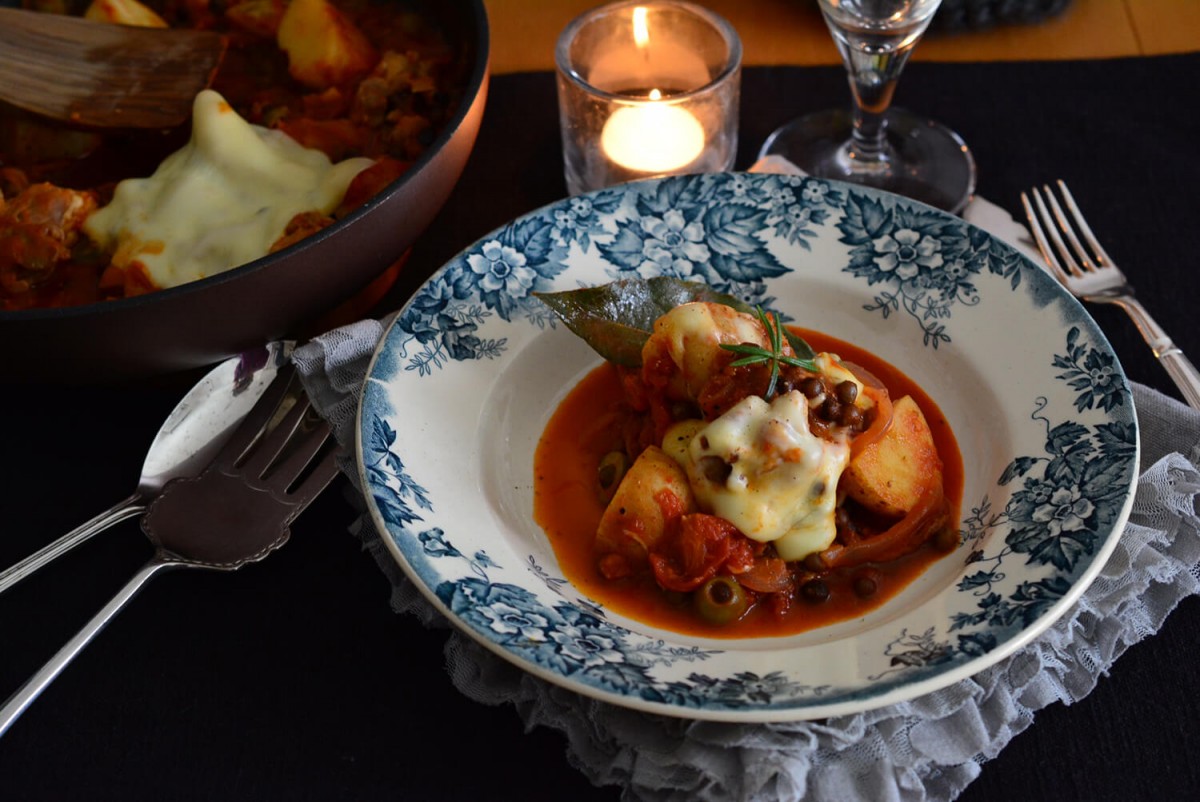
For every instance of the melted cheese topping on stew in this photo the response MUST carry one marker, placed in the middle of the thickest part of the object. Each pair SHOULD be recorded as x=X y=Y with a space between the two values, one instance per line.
x=693 y=334
x=781 y=485
x=220 y=201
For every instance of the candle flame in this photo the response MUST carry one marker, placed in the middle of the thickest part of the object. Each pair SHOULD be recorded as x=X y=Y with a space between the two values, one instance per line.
x=641 y=33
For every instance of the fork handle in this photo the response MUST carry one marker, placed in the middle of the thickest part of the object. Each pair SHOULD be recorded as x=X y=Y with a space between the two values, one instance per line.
x=1180 y=368
x=23 y=698
x=134 y=505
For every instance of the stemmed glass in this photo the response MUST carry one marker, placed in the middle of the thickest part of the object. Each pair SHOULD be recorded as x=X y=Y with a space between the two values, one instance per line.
x=875 y=143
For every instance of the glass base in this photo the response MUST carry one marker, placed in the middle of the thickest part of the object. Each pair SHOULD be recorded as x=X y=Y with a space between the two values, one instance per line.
x=927 y=161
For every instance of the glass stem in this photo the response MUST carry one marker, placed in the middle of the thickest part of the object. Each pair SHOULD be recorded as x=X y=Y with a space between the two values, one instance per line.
x=873 y=78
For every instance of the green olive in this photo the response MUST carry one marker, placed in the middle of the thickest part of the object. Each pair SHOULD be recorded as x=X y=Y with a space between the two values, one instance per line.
x=609 y=473
x=720 y=600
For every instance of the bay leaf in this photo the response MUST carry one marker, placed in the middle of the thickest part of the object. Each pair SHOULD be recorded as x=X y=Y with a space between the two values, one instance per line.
x=617 y=318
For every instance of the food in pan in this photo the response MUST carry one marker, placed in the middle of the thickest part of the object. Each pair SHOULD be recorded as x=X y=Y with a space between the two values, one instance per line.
x=725 y=474
x=316 y=107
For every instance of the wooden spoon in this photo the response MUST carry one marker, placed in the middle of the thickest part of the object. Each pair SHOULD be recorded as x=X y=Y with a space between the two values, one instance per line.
x=101 y=74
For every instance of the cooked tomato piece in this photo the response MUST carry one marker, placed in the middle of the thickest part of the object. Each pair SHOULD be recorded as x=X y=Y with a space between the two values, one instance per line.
x=694 y=552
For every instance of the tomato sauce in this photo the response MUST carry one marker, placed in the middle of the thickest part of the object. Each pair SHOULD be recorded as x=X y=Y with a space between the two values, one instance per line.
x=567 y=506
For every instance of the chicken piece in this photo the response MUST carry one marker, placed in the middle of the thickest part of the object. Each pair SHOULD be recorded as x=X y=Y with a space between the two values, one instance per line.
x=689 y=338
x=890 y=475
x=324 y=47
x=38 y=228
x=300 y=227
x=654 y=492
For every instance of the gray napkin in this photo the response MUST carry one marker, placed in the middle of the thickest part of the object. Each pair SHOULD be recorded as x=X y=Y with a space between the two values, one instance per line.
x=929 y=748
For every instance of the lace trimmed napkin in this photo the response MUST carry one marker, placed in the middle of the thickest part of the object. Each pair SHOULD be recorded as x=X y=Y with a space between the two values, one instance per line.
x=929 y=748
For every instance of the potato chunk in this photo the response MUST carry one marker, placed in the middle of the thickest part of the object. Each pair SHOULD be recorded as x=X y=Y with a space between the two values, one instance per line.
x=124 y=12
x=324 y=48
x=256 y=16
x=654 y=492
x=679 y=437
x=889 y=475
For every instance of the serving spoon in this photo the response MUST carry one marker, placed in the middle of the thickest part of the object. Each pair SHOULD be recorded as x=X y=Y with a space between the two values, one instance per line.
x=101 y=74
x=194 y=431
x=236 y=511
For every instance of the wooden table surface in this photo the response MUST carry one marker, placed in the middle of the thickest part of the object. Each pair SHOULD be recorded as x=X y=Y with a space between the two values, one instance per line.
x=792 y=32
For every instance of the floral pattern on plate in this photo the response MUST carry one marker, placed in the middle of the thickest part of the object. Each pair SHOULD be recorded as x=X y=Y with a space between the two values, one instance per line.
x=474 y=365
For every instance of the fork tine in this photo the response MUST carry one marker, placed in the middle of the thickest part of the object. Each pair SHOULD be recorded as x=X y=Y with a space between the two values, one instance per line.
x=278 y=440
x=297 y=454
x=275 y=446
x=1081 y=223
x=304 y=487
x=256 y=421
x=1064 y=226
x=322 y=473
x=1065 y=259
x=1039 y=235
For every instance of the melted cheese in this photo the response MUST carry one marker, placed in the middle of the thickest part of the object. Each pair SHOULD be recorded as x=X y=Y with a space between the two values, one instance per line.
x=220 y=201
x=692 y=334
x=781 y=485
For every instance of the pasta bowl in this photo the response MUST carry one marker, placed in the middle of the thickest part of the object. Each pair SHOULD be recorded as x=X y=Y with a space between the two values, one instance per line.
x=472 y=368
x=281 y=295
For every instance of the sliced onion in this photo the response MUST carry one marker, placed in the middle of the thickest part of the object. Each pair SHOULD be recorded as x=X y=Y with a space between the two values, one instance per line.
x=862 y=374
x=879 y=426
x=901 y=538
x=767 y=575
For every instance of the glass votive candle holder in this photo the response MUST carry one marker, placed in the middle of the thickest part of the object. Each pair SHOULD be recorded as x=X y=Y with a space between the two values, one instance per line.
x=647 y=89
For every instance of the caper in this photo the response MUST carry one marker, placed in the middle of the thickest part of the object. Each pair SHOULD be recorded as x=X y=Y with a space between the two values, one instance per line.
x=850 y=416
x=720 y=600
x=866 y=583
x=815 y=591
x=610 y=472
x=831 y=408
x=846 y=392
x=811 y=387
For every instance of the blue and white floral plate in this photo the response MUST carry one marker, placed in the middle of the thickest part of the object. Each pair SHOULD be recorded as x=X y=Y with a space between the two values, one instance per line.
x=467 y=376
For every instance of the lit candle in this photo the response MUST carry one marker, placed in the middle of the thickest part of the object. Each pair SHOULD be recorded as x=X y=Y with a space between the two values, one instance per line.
x=652 y=138
x=646 y=88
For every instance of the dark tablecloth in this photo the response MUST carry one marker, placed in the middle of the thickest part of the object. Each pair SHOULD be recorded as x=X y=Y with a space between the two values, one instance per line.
x=292 y=679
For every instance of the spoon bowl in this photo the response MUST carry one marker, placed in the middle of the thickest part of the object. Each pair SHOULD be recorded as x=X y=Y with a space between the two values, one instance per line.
x=103 y=75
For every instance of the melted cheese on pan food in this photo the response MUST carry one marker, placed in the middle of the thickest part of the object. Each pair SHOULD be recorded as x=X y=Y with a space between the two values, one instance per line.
x=220 y=201
x=781 y=480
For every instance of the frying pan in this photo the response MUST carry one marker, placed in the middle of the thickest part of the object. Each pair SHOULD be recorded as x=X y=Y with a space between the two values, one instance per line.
x=276 y=297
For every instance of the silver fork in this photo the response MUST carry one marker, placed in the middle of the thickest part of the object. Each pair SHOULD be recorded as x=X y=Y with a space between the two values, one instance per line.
x=1095 y=278
x=236 y=511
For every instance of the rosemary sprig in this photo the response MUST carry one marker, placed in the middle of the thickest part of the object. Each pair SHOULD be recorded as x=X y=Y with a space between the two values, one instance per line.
x=754 y=354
